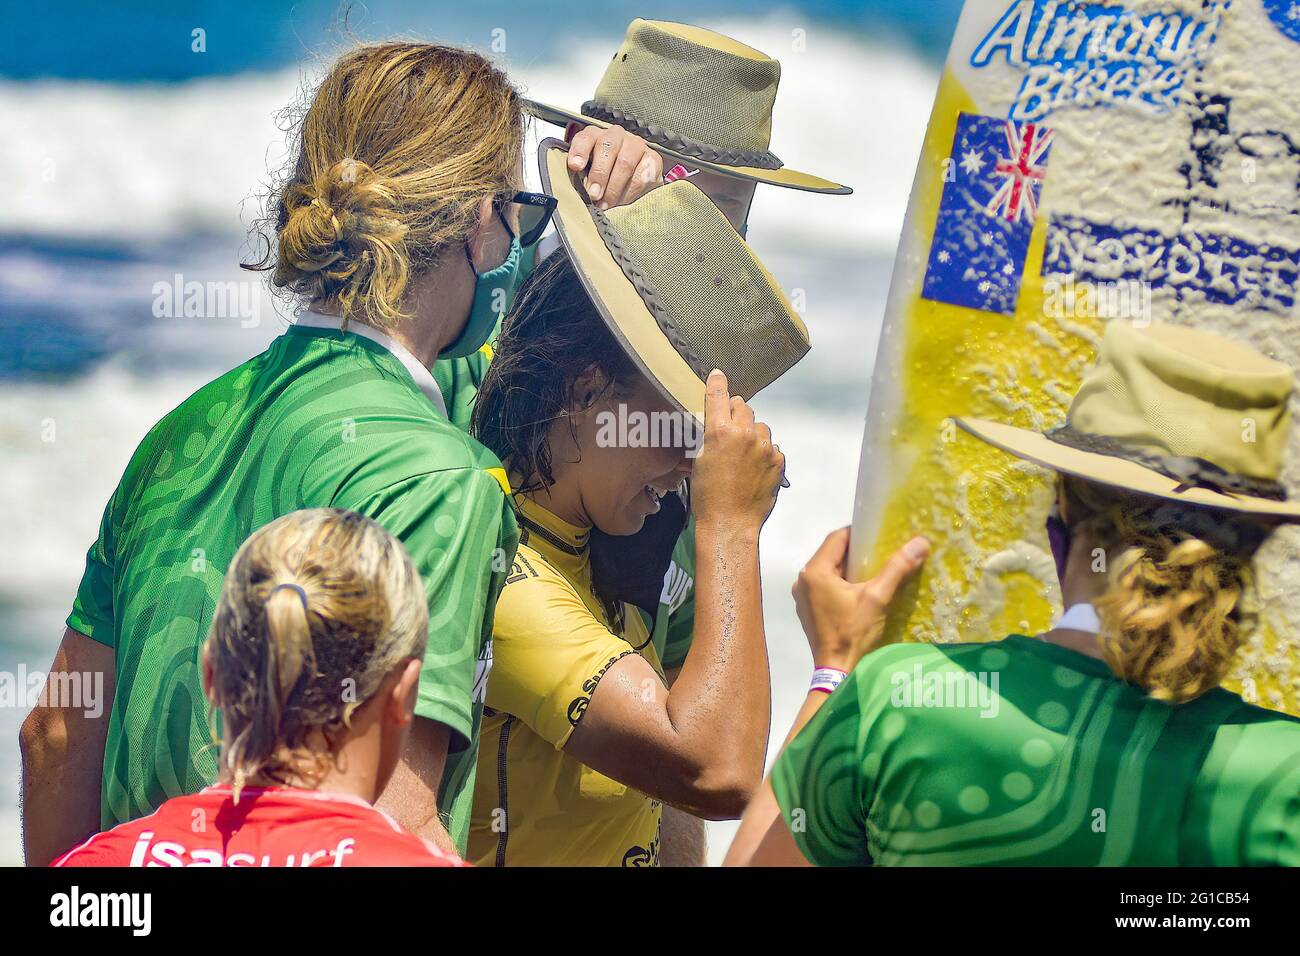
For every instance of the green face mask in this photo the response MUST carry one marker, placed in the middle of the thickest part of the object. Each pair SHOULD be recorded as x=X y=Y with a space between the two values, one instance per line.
x=492 y=292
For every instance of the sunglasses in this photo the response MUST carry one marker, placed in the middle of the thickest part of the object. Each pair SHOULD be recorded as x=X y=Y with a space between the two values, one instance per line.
x=535 y=211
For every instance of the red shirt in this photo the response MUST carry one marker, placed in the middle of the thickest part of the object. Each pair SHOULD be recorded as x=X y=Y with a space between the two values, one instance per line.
x=274 y=826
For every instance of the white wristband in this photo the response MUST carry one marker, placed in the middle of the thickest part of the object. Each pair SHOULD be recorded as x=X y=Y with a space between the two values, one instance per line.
x=827 y=679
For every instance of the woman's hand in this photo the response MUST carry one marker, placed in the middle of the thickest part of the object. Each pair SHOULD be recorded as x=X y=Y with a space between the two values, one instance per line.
x=845 y=621
x=738 y=470
x=623 y=165
x=699 y=744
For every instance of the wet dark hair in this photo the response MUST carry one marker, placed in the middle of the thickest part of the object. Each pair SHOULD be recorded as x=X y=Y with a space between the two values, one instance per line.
x=551 y=337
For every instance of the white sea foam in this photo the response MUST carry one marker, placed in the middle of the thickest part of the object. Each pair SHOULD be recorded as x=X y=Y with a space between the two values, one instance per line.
x=194 y=157
x=153 y=166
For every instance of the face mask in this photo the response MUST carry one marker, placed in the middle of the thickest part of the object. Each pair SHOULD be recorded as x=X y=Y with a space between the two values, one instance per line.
x=492 y=292
x=1058 y=538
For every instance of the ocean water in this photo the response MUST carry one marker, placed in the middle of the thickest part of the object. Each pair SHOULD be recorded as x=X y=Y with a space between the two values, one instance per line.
x=124 y=185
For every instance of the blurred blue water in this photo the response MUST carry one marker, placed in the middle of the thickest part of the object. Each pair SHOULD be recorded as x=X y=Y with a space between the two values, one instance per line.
x=147 y=174
x=153 y=40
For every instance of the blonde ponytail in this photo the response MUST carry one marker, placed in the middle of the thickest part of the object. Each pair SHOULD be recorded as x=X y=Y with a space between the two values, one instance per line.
x=1173 y=613
x=318 y=607
x=290 y=636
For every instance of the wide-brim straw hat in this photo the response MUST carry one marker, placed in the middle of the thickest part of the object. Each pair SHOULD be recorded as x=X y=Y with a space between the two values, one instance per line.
x=680 y=289
x=697 y=96
x=1173 y=412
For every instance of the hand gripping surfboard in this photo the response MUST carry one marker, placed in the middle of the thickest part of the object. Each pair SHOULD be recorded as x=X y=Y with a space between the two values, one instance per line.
x=1130 y=159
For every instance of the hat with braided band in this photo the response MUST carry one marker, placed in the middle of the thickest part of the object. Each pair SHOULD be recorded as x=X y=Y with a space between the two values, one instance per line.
x=681 y=291
x=698 y=96
x=1173 y=412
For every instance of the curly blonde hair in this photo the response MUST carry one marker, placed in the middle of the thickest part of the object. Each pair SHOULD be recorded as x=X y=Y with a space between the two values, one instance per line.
x=317 y=609
x=1174 y=612
x=400 y=143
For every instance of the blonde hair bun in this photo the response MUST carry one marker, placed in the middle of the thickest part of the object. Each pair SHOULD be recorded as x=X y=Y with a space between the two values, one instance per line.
x=343 y=231
x=398 y=146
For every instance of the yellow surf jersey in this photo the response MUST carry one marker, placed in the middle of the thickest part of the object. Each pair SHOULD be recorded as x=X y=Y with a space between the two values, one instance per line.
x=533 y=804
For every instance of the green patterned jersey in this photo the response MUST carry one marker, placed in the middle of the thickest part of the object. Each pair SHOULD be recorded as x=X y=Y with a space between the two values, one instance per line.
x=459 y=381
x=674 y=625
x=320 y=419
x=1021 y=752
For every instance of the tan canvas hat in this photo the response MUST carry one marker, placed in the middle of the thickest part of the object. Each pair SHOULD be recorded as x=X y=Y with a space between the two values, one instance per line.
x=698 y=96
x=678 y=287
x=1173 y=412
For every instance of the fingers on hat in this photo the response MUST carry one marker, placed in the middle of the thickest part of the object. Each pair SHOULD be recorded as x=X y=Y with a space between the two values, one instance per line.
x=717 y=400
x=740 y=411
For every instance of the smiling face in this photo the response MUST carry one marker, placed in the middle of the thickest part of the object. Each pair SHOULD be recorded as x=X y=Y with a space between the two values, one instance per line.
x=580 y=430
x=626 y=450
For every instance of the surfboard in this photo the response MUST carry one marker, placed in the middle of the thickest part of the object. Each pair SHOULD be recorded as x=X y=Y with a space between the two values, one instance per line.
x=1084 y=162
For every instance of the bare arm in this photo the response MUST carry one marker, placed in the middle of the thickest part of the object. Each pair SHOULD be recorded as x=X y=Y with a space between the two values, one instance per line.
x=63 y=750
x=843 y=622
x=763 y=838
x=411 y=797
x=683 y=841
x=700 y=746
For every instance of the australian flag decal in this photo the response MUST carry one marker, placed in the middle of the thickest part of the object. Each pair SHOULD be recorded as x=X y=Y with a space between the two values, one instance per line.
x=986 y=213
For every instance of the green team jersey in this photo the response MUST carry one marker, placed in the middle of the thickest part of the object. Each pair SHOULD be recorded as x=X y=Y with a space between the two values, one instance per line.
x=320 y=419
x=459 y=381
x=1021 y=752
x=674 y=625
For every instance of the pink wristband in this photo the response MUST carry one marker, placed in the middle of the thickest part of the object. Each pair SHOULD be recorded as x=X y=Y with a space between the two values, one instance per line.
x=826 y=679
x=679 y=172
